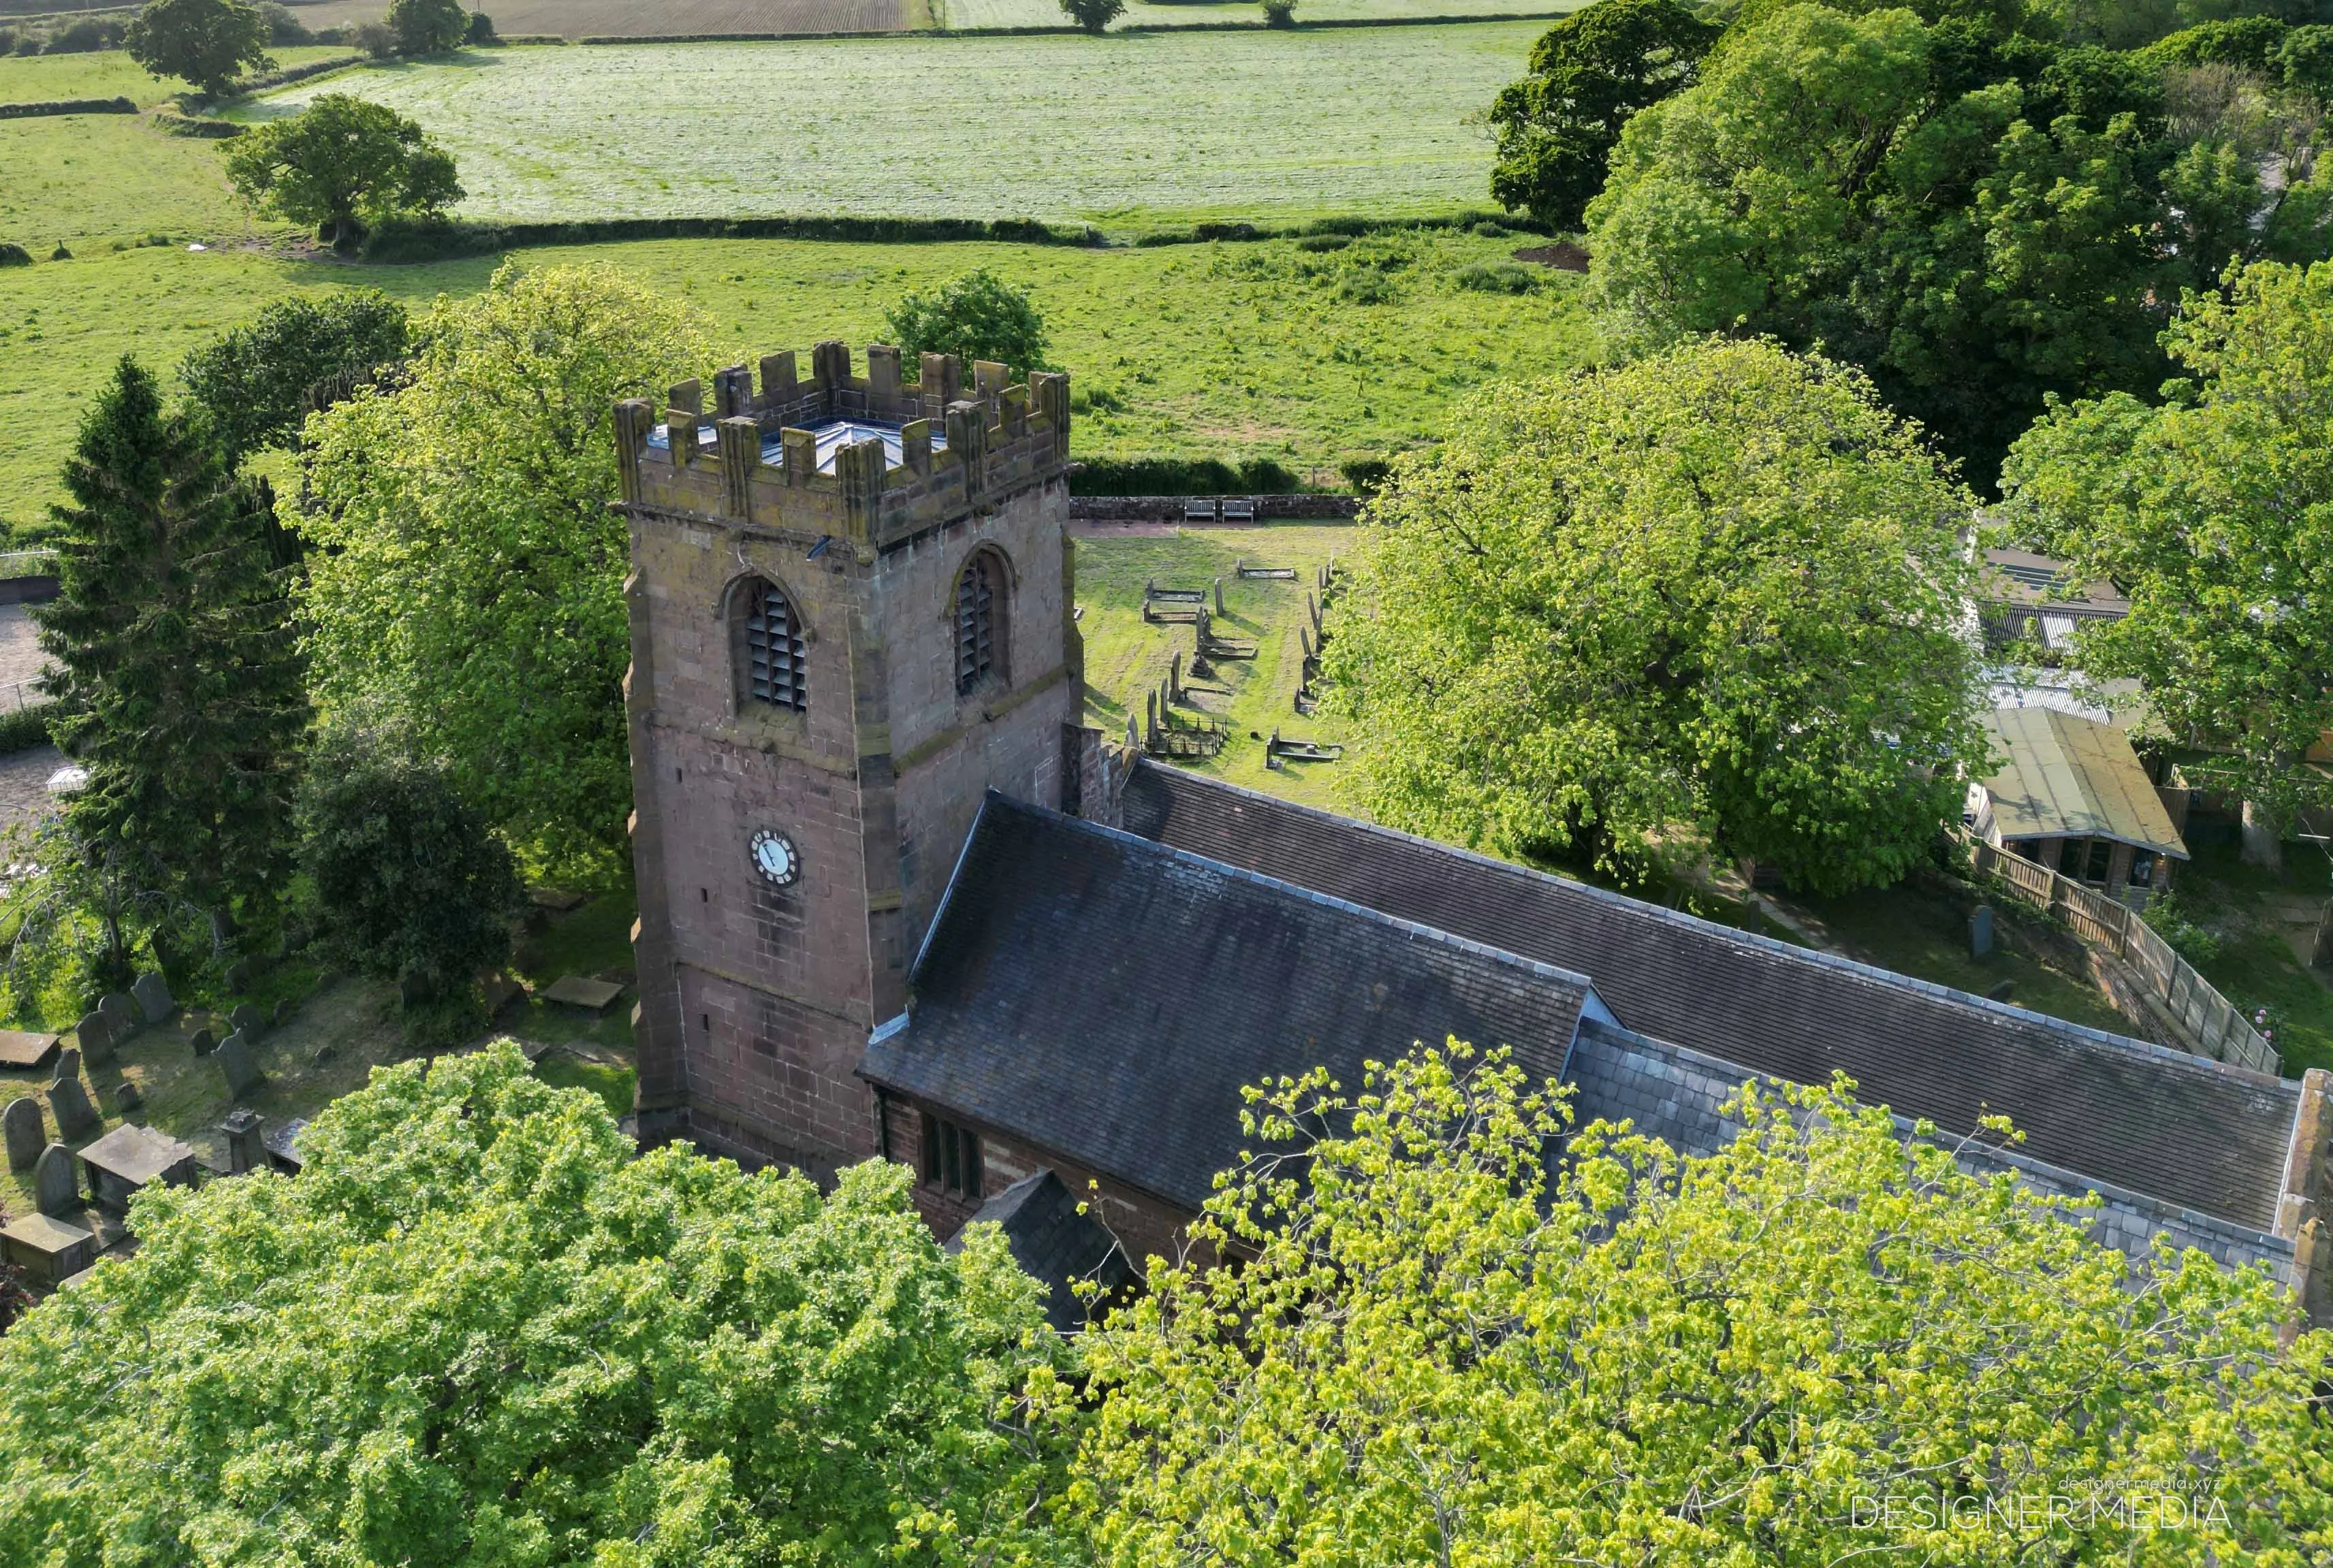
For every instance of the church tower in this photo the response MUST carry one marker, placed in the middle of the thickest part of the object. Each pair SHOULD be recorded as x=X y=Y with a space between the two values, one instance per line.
x=851 y=617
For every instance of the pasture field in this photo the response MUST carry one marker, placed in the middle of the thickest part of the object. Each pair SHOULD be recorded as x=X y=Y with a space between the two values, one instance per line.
x=1128 y=131
x=659 y=18
x=966 y=13
x=106 y=73
x=1252 y=349
x=88 y=180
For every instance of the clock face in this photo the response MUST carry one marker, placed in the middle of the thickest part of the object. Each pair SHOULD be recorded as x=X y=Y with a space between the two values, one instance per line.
x=776 y=858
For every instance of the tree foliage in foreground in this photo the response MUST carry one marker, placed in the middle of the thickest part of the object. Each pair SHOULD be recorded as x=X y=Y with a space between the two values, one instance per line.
x=341 y=165
x=1977 y=220
x=253 y=383
x=976 y=316
x=477 y=1330
x=179 y=684
x=1713 y=591
x=1819 y=1345
x=469 y=580
x=2213 y=513
x=1589 y=73
x=205 y=41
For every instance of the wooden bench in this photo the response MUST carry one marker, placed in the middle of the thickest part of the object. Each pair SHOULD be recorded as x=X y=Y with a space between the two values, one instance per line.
x=1238 y=508
x=1198 y=509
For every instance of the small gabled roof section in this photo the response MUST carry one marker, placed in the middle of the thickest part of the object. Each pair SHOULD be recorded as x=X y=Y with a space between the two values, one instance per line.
x=1057 y=1243
x=2067 y=776
x=1106 y=998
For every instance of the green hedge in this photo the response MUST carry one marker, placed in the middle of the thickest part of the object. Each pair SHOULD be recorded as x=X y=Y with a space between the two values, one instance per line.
x=25 y=728
x=1181 y=476
x=208 y=130
x=433 y=240
x=68 y=106
x=1349 y=227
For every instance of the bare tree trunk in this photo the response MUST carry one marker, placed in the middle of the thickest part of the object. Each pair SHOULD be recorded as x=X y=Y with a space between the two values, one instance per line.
x=2262 y=837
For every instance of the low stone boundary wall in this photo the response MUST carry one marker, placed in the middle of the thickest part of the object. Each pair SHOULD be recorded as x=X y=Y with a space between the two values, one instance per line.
x=1169 y=508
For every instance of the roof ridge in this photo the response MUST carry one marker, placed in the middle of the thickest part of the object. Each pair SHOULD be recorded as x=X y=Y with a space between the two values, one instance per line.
x=2080 y=1035
x=1281 y=885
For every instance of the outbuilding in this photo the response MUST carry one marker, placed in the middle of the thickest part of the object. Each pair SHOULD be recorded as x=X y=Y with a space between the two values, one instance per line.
x=2071 y=795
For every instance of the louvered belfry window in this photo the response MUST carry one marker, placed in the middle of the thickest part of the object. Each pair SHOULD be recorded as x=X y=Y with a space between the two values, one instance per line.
x=976 y=593
x=773 y=654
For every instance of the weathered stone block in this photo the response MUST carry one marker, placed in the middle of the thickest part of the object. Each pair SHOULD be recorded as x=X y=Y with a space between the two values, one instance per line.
x=152 y=994
x=26 y=1133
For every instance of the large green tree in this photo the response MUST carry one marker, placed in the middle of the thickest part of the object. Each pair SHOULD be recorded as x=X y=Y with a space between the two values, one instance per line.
x=1819 y=1345
x=469 y=582
x=253 y=384
x=1589 y=73
x=1706 y=599
x=180 y=685
x=479 y=1329
x=974 y=316
x=1976 y=218
x=205 y=41
x=2213 y=513
x=427 y=27
x=342 y=164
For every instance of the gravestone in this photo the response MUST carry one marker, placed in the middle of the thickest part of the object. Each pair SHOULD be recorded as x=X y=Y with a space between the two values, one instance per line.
x=95 y=1033
x=204 y=1041
x=69 y=1104
x=120 y=1012
x=238 y=975
x=233 y=1057
x=282 y=1012
x=67 y=1063
x=126 y=1098
x=1980 y=931
x=26 y=1132
x=246 y=1150
x=247 y=1021
x=154 y=999
x=55 y=1191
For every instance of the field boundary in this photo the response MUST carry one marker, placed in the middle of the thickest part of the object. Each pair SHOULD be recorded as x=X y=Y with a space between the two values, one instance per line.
x=612 y=40
x=68 y=106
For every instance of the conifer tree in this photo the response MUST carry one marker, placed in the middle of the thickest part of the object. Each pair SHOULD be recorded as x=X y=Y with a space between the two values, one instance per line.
x=179 y=680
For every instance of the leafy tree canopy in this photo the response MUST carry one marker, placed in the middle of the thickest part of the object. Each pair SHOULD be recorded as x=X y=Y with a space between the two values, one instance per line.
x=205 y=41
x=342 y=164
x=1093 y=15
x=253 y=384
x=477 y=1330
x=2213 y=513
x=179 y=686
x=976 y=316
x=1818 y=1345
x=1589 y=73
x=1712 y=590
x=427 y=27
x=469 y=582
x=1976 y=220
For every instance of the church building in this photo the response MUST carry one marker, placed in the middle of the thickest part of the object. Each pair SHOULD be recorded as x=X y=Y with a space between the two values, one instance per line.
x=897 y=900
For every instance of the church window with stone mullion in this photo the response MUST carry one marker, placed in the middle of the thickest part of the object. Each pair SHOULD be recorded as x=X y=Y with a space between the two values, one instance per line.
x=976 y=596
x=773 y=649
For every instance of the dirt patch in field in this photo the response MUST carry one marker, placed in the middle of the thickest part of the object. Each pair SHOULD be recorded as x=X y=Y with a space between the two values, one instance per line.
x=1563 y=255
x=659 y=18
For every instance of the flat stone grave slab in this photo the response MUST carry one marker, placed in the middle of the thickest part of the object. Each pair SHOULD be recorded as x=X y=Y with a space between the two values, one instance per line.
x=283 y=1146
x=558 y=899
x=572 y=991
x=48 y=1249
x=130 y=1157
x=27 y=1048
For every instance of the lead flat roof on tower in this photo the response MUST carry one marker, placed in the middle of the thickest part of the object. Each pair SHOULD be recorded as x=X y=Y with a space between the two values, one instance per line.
x=2177 y=1127
x=833 y=436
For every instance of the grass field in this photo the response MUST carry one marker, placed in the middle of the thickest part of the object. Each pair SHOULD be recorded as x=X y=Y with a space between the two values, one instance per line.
x=1213 y=13
x=660 y=18
x=1234 y=349
x=1130 y=131
x=105 y=73
x=86 y=180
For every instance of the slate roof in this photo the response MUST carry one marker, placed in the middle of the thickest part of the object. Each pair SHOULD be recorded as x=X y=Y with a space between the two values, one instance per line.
x=2161 y=1123
x=1107 y=997
x=2067 y=776
x=1055 y=1243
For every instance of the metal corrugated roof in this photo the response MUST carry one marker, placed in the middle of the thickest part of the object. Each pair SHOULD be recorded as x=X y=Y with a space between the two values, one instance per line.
x=2069 y=777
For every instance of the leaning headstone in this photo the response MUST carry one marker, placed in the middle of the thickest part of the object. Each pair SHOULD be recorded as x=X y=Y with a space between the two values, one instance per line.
x=247 y=1021
x=95 y=1033
x=238 y=975
x=26 y=1131
x=282 y=1012
x=233 y=1057
x=67 y=1063
x=55 y=1189
x=126 y=1098
x=121 y=1013
x=204 y=1041
x=1980 y=931
x=69 y=1104
x=153 y=997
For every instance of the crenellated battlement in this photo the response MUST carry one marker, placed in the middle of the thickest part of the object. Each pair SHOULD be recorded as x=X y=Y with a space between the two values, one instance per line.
x=870 y=459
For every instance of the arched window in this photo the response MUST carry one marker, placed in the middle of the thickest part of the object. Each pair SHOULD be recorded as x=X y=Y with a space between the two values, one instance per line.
x=979 y=620
x=770 y=648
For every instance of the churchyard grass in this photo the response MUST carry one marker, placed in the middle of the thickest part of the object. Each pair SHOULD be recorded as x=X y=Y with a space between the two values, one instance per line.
x=111 y=74
x=1131 y=132
x=2265 y=922
x=1228 y=350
